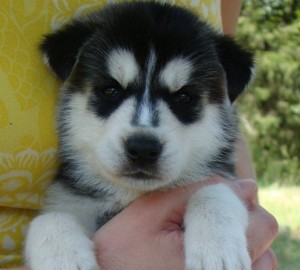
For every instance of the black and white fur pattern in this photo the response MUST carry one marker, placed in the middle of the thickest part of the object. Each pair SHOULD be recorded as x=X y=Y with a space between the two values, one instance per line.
x=146 y=104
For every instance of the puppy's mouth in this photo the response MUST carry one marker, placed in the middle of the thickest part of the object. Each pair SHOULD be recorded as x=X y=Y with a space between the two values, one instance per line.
x=141 y=175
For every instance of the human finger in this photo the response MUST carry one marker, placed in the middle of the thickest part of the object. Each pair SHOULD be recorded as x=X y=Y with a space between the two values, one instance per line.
x=246 y=189
x=262 y=230
x=268 y=261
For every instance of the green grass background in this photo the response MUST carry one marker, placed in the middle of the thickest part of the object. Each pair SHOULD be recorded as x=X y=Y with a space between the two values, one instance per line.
x=284 y=204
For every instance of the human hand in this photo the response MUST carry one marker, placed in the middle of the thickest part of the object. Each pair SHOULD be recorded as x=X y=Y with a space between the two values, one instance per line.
x=262 y=228
x=147 y=234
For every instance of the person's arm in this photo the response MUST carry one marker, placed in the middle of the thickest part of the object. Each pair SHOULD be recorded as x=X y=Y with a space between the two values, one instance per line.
x=244 y=164
x=230 y=10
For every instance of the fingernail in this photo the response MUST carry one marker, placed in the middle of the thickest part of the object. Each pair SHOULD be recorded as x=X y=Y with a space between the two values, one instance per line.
x=248 y=184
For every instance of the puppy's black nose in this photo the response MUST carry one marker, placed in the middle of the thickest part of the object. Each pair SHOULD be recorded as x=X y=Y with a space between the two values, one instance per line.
x=143 y=149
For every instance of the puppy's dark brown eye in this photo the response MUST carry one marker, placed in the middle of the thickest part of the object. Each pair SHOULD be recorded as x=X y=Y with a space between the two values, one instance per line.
x=183 y=98
x=112 y=92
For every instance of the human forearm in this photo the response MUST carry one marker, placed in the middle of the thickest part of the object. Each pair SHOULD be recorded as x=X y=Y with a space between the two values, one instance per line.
x=244 y=165
x=230 y=13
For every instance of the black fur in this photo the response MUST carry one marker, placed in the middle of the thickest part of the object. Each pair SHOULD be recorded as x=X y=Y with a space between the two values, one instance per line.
x=237 y=64
x=62 y=47
x=66 y=175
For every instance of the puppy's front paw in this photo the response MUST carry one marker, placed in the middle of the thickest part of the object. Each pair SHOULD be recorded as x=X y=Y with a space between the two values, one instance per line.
x=218 y=255
x=72 y=259
x=215 y=231
x=55 y=241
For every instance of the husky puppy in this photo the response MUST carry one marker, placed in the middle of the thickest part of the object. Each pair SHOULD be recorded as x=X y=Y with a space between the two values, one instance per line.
x=145 y=104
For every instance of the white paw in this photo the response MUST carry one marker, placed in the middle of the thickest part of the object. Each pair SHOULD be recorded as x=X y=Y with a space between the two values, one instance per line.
x=70 y=260
x=55 y=241
x=218 y=255
x=215 y=231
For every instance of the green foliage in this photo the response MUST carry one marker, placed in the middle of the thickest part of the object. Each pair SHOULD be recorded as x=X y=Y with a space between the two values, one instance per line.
x=286 y=247
x=271 y=108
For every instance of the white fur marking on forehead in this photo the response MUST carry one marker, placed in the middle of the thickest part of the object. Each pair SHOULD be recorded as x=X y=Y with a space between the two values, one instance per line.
x=122 y=66
x=150 y=69
x=176 y=73
x=145 y=113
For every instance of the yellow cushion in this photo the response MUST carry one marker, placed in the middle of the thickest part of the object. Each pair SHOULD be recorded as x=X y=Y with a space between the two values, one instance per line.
x=28 y=94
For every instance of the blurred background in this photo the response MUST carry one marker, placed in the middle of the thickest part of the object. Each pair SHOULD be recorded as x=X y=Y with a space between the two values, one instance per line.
x=271 y=115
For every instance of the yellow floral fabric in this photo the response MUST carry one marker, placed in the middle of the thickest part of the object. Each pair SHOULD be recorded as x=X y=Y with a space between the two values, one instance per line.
x=28 y=94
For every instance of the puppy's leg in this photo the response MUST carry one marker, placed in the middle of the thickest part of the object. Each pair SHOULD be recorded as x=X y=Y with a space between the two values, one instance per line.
x=215 y=231
x=57 y=241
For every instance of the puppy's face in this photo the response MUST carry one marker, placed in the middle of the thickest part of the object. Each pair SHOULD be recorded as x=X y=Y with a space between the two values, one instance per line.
x=147 y=94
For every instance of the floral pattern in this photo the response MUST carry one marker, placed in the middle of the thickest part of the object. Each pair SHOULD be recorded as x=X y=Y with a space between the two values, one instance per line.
x=28 y=95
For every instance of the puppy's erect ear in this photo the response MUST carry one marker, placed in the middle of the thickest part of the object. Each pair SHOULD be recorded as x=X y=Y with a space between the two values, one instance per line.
x=238 y=65
x=61 y=48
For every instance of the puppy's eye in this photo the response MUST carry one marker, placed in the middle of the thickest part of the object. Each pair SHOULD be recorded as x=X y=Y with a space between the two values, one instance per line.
x=183 y=98
x=112 y=92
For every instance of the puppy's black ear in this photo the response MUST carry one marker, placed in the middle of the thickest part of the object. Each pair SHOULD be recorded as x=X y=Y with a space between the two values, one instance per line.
x=238 y=65
x=60 y=49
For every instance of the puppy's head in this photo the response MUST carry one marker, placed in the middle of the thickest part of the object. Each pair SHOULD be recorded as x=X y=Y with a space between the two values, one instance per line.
x=147 y=93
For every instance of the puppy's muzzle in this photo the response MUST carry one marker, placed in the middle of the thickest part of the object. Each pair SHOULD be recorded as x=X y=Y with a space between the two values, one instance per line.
x=143 y=150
